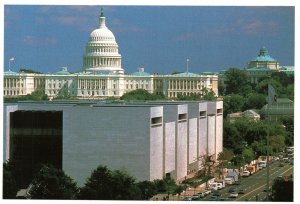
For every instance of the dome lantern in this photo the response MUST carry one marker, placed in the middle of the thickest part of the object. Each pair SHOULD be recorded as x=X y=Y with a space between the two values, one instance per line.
x=102 y=19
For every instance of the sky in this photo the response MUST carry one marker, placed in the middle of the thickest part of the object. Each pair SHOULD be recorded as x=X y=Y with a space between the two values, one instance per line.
x=158 y=38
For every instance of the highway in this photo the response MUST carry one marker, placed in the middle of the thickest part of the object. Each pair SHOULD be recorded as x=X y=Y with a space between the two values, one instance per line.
x=255 y=185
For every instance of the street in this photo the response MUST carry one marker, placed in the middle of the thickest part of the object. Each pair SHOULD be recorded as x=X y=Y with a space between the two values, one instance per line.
x=255 y=185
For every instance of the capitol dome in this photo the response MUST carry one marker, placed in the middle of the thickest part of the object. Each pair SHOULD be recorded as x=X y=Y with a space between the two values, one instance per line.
x=102 y=50
x=102 y=33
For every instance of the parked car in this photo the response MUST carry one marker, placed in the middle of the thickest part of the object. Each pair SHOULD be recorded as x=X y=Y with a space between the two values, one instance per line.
x=187 y=198
x=195 y=197
x=213 y=198
x=234 y=195
x=246 y=173
x=202 y=194
x=231 y=190
x=241 y=191
x=216 y=193
x=237 y=183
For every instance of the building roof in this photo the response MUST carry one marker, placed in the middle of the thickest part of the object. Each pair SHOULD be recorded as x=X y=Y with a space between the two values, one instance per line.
x=263 y=56
x=9 y=72
x=141 y=73
x=259 y=69
x=185 y=74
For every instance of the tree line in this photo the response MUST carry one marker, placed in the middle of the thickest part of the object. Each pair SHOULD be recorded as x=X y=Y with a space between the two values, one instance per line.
x=103 y=184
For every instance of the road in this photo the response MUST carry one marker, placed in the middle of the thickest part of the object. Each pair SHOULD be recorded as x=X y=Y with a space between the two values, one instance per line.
x=255 y=184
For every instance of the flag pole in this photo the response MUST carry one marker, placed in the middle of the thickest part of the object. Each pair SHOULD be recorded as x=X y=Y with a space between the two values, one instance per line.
x=9 y=65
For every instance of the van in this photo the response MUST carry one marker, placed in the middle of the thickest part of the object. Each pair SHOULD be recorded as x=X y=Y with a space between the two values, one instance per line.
x=216 y=186
x=262 y=164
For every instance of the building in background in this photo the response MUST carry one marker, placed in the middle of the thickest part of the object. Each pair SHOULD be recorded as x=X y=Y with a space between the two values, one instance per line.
x=103 y=76
x=149 y=139
x=264 y=65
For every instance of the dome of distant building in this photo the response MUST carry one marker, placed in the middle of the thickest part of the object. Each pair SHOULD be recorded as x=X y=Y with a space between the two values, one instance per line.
x=264 y=56
x=102 y=52
x=263 y=60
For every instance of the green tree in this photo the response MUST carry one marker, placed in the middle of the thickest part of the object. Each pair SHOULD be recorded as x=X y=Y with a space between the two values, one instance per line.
x=141 y=94
x=290 y=92
x=9 y=183
x=52 y=183
x=104 y=184
x=262 y=86
x=206 y=168
x=233 y=103
x=232 y=139
x=147 y=188
x=236 y=81
x=283 y=190
x=248 y=154
x=255 y=101
x=288 y=123
x=277 y=143
x=260 y=147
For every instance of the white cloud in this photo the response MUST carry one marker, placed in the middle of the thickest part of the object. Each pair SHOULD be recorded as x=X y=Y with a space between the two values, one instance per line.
x=31 y=40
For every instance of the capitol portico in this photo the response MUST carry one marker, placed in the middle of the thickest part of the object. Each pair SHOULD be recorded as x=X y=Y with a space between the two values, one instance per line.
x=102 y=75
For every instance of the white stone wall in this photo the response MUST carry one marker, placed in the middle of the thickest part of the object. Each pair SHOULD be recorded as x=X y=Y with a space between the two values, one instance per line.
x=156 y=146
x=192 y=140
x=211 y=136
x=202 y=132
x=219 y=127
x=181 y=145
x=114 y=136
x=170 y=147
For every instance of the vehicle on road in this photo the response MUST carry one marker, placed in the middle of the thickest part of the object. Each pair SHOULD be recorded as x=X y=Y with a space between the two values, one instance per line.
x=188 y=198
x=234 y=194
x=202 y=194
x=241 y=191
x=229 y=180
x=215 y=186
x=216 y=193
x=231 y=190
x=237 y=183
x=262 y=164
x=195 y=197
x=246 y=173
x=213 y=198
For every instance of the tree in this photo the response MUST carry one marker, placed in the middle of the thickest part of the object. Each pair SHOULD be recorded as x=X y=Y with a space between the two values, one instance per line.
x=9 y=183
x=277 y=143
x=233 y=103
x=30 y=71
x=248 y=154
x=148 y=189
x=206 y=167
x=262 y=86
x=255 y=101
x=104 y=184
x=283 y=190
x=260 y=147
x=52 y=183
x=232 y=139
x=141 y=94
x=236 y=81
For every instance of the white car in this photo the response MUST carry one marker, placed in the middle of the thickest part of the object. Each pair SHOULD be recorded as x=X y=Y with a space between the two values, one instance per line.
x=246 y=173
x=234 y=195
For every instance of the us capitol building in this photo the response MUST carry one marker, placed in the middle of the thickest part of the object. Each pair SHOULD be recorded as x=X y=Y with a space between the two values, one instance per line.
x=103 y=76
